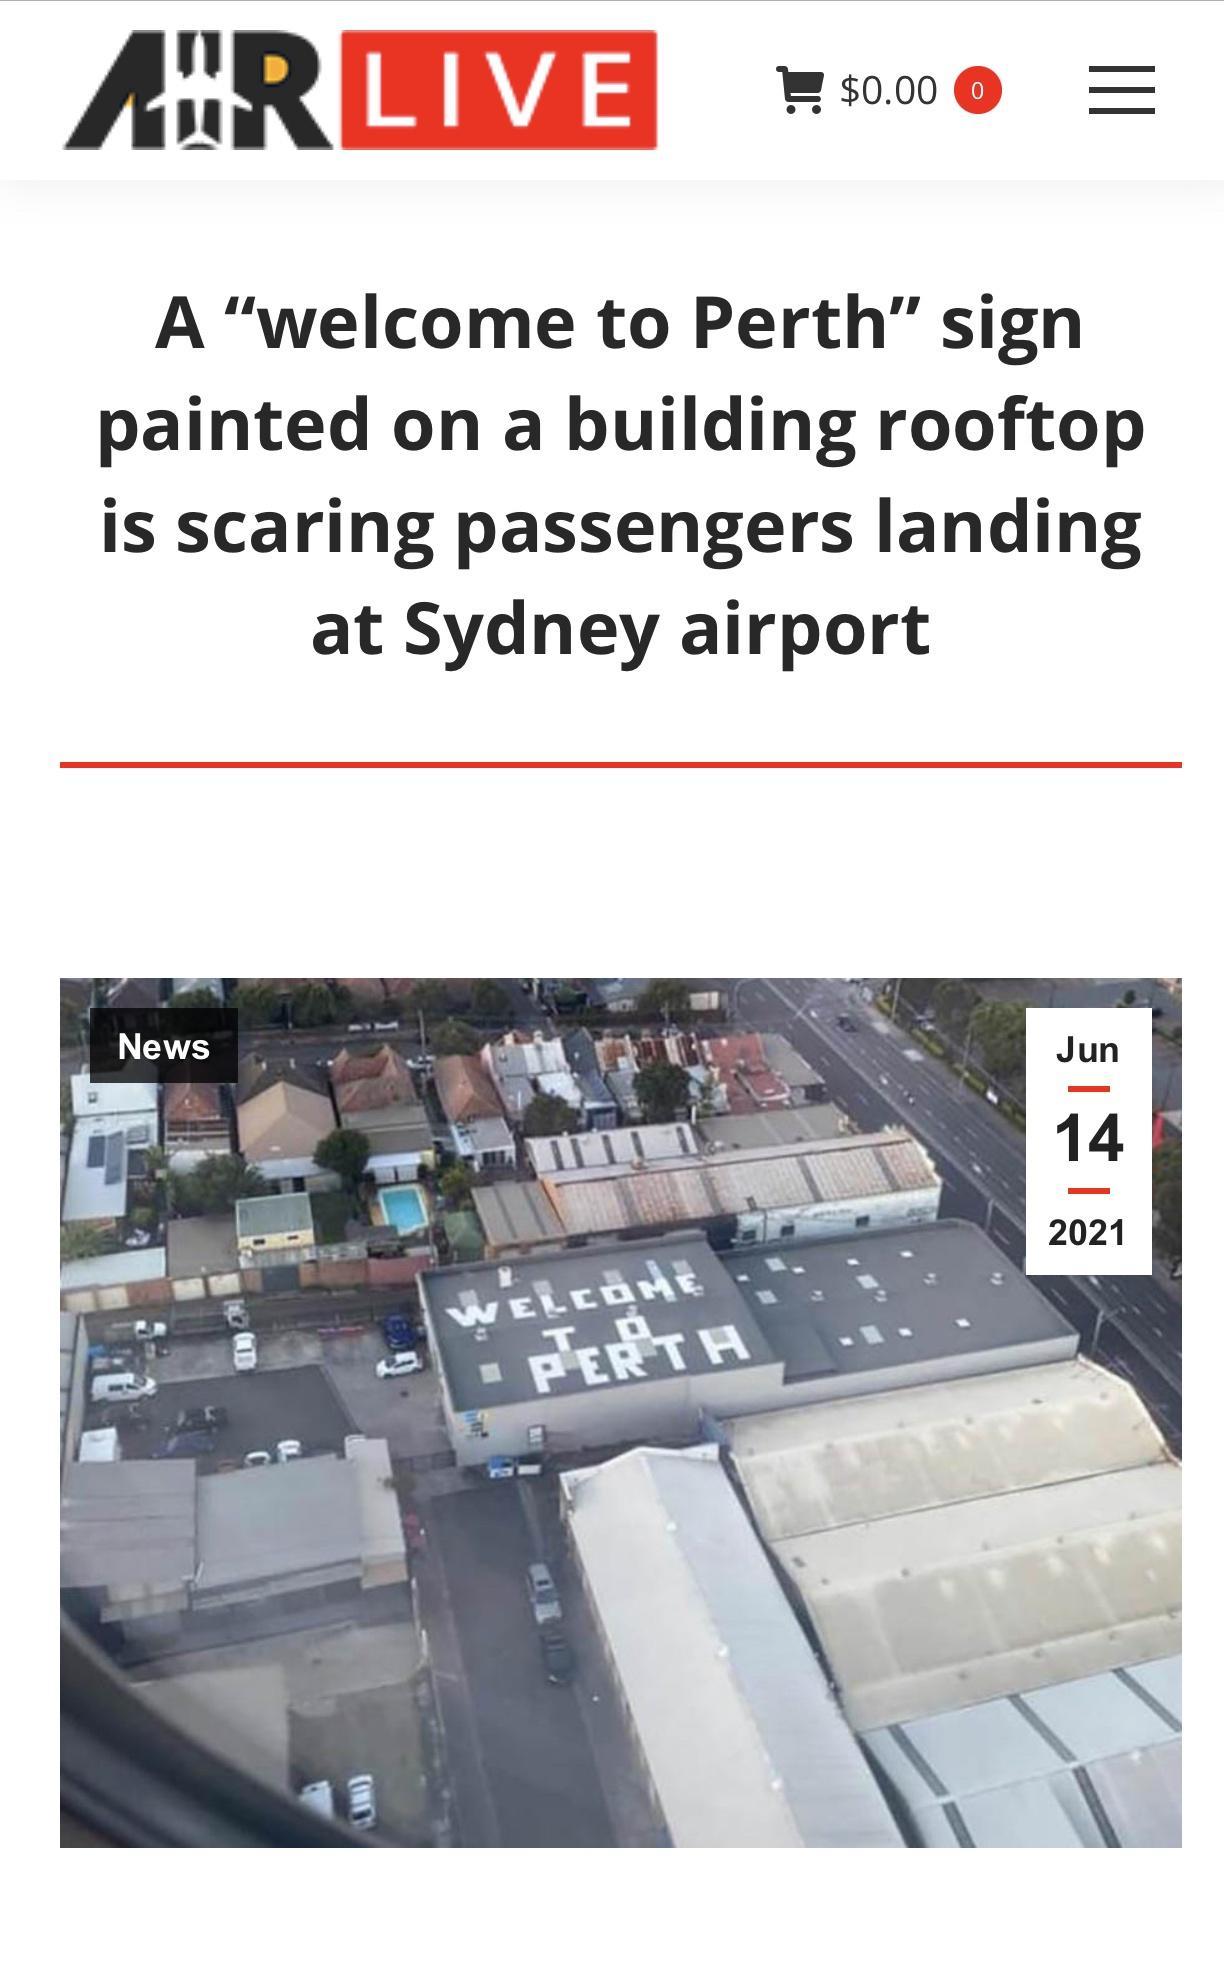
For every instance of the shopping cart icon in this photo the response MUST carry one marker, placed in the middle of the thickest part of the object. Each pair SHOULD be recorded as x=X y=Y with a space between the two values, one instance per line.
x=801 y=86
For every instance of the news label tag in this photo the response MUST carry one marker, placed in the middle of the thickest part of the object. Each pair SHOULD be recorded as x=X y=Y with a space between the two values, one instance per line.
x=1088 y=1134
x=163 y=1044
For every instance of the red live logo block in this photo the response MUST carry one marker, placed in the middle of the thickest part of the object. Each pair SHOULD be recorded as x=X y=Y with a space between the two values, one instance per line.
x=494 y=91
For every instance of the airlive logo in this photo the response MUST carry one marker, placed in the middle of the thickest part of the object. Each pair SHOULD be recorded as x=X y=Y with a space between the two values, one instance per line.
x=171 y=1043
x=203 y=90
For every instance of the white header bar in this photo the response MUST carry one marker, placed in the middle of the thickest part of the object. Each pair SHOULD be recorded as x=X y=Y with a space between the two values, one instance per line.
x=1084 y=91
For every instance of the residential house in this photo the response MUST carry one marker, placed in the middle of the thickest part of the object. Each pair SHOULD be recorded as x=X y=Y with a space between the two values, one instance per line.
x=740 y=1061
x=376 y=1094
x=115 y=1126
x=599 y=1110
x=476 y=1130
x=521 y=1069
x=197 y=1122
x=282 y=1223
x=283 y=1114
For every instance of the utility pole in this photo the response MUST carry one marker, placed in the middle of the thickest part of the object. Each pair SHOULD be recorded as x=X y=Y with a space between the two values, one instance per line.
x=895 y=998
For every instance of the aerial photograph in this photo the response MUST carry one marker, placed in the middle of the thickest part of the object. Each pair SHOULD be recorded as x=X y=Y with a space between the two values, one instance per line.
x=604 y=1413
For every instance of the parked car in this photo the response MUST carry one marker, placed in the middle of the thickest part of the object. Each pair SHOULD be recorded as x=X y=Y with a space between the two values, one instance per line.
x=361 y=1810
x=545 y=1603
x=557 y=1654
x=187 y=1444
x=318 y=1797
x=235 y=1313
x=114 y=1361
x=406 y=1362
x=125 y=1387
x=212 y=1416
x=150 y=1331
x=289 y=1447
x=246 y=1354
x=255 y=1459
x=397 y=1333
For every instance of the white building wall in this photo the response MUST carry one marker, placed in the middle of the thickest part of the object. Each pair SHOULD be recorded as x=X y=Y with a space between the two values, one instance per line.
x=838 y=1220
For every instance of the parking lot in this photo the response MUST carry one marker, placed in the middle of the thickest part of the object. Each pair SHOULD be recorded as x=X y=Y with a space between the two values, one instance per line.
x=310 y=1387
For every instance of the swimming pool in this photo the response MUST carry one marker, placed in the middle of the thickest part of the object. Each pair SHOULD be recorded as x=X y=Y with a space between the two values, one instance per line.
x=404 y=1207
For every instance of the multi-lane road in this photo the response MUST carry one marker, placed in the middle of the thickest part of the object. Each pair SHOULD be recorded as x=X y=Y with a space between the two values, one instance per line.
x=879 y=1076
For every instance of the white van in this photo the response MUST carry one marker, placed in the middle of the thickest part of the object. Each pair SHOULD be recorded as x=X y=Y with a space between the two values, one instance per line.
x=124 y=1388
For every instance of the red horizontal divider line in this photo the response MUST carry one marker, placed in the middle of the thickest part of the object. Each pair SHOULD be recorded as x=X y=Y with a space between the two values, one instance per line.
x=1087 y=1088
x=587 y=766
x=1087 y=1190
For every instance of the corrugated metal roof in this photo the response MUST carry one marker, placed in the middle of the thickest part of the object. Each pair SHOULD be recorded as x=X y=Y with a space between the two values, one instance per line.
x=1090 y=1762
x=740 y=1732
x=750 y=1180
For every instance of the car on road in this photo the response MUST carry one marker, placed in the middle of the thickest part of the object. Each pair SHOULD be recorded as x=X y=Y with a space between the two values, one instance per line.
x=255 y=1460
x=397 y=1333
x=187 y=1444
x=211 y=1416
x=545 y=1602
x=405 y=1362
x=361 y=1809
x=846 y=1024
x=557 y=1654
x=287 y=1449
x=246 y=1354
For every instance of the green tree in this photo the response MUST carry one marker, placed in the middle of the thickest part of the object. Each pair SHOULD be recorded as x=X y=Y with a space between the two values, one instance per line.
x=549 y=1115
x=1128 y=997
x=662 y=1089
x=455 y=1185
x=195 y=996
x=490 y=999
x=346 y=1152
x=914 y=993
x=314 y=1004
x=257 y=1002
x=1167 y=1198
x=952 y=1004
x=998 y=1034
x=84 y=1242
x=433 y=996
x=455 y=1037
x=669 y=997
x=215 y=1185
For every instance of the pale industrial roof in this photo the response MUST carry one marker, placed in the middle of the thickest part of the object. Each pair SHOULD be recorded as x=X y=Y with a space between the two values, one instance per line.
x=516 y=1214
x=113 y=1269
x=129 y=1527
x=787 y=1061
x=1091 y=1763
x=973 y=1539
x=850 y=1168
x=761 y=1129
x=608 y=1150
x=743 y=1740
x=278 y=1521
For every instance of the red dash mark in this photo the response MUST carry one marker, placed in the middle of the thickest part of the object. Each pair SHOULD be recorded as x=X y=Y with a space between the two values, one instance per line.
x=1087 y=1190
x=1087 y=1088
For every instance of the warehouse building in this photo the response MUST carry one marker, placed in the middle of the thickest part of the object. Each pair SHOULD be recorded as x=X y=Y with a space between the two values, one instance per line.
x=734 y=1721
x=886 y=1310
x=807 y=1190
x=599 y=1346
x=148 y=1544
x=614 y=1344
x=991 y=1568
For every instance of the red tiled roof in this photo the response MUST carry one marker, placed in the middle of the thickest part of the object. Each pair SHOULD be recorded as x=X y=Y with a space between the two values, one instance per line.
x=193 y=1101
x=465 y=1090
x=364 y=1082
